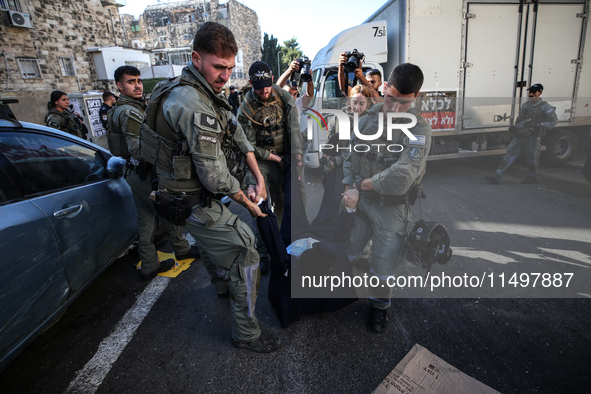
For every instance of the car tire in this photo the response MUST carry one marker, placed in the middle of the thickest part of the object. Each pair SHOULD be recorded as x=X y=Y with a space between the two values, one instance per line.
x=561 y=147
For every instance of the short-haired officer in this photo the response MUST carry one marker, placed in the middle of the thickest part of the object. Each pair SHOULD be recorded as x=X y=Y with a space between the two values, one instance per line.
x=123 y=134
x=201 y=152
x=109 y=101
x=387 y=180
x=536 y=117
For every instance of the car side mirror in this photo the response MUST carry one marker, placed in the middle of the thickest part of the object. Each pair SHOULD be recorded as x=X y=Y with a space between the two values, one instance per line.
x=115 y=167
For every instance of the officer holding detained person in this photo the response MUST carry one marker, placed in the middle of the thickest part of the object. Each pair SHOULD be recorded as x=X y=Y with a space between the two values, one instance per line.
x=270 y=120
x=123 y=136
x=387 y=175
x=201 y=155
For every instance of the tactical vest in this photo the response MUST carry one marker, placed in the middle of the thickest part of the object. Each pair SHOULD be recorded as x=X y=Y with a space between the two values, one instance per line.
x=168 y=150
x=67 y=123
x=269 y=123
x=115 y=138
x=376 y=159
x=538 y=114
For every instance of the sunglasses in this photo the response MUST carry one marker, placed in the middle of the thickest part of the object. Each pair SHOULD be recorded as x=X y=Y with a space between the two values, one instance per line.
x=261 y=76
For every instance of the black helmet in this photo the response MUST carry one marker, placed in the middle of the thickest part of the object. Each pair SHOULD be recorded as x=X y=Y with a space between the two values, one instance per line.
x=428 y=243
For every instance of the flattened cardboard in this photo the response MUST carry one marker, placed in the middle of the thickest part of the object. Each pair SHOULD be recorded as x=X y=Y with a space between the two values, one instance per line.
x=422 y=372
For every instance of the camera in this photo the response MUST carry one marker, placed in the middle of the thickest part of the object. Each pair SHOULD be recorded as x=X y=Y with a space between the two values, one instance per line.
x=354 y=59
x=305 y=65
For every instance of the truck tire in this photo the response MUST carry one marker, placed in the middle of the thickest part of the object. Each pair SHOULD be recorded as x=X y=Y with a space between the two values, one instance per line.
x=561 y=147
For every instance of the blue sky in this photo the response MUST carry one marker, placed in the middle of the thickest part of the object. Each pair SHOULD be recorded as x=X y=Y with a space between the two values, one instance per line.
x=312 y=22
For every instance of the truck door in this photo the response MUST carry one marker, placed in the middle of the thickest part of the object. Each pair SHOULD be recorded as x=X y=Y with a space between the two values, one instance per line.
x=491 y=46
x=554 y=51
x=511 y=46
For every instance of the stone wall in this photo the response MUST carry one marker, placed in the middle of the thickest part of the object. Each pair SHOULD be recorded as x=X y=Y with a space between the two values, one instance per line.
x=244 y=23
x=61 y=29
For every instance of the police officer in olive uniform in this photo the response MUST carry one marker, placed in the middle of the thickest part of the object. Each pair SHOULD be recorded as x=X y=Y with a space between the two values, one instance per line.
x=109 y=102
x=536 y=117
x=60 y=116
x=270 y=120
x=201 y=152
x=387 y=179
x=123 y=134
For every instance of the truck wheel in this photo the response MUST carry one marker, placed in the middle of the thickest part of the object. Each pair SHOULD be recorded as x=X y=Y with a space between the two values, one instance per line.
x=561 y=147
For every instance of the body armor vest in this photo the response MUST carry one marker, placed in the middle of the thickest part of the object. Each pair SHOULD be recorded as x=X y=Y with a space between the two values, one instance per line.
x=371 y=157
x=269 y=123
x=168 y=150
x=115 y=138
x=67 y=121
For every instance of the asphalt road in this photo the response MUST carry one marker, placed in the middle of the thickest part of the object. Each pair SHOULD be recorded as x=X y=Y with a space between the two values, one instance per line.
x=514 y=345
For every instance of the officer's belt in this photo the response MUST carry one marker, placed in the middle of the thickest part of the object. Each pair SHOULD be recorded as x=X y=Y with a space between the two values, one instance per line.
x=385 y=200
x=190 y=200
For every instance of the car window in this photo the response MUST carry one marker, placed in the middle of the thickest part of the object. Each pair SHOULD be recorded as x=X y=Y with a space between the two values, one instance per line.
x=48 y=163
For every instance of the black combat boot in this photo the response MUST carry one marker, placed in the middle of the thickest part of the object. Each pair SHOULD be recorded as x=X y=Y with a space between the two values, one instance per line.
x=193 y=253
x=265 y=344
x=378 y=319
x=164 y=266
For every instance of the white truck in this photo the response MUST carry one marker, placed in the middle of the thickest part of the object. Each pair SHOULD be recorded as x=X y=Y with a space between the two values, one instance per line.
x=478 y=58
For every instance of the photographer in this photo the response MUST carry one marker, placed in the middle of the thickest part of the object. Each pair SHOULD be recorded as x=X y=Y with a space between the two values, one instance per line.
x=343 y=80
x=306 y=98
x=374 y=78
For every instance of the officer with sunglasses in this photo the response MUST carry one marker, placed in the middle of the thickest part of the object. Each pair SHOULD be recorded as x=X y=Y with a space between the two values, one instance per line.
x=387 y=180
x=270 y=120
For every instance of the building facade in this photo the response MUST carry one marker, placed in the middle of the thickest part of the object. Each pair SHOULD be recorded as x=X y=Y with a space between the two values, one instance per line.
x=167 y=30
x=44 y=46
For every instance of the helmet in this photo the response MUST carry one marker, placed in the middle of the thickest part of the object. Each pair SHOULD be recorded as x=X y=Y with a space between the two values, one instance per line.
x=428 y=243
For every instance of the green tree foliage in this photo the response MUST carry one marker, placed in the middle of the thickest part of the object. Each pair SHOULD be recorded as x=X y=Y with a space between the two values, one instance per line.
x=289 y=51
x=270 y=50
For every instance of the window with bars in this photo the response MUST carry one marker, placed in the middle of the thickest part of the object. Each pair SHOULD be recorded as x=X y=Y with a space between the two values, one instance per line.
x=29 y=68
x=67 y=66
x=11 y=5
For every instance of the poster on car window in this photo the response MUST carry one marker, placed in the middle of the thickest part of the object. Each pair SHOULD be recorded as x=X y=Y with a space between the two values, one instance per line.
x=94 y=105
x=438 y=108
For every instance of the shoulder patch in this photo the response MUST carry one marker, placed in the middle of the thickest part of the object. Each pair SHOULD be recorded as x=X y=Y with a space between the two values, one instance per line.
x=53 y=124
x=420 y=141
x=136 y=115
x=415 y=154
x=208 y=121
x=242 y=119
x=550 y=110
x=207 y=138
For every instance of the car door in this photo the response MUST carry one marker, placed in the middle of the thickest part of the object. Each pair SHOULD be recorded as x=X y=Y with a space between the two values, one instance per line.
x=33 y=282
x=93 y=216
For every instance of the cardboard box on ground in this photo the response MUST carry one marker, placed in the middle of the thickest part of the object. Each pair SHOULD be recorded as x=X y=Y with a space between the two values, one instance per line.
x=422 y=372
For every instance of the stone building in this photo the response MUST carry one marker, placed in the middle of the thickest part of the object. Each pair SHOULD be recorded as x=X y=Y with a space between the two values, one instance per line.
x=44 y=46
x=168 y=31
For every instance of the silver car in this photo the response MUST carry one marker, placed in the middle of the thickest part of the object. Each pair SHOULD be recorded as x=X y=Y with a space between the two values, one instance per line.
x=63 y=220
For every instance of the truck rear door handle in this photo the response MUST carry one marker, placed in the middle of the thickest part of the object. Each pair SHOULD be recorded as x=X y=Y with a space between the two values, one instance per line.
x=70 y=211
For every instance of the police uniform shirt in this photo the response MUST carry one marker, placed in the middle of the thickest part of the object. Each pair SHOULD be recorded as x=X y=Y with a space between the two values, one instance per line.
x=541 y=112
x=396 y=179
x=103 y=111
x=187 y=113
x=128 y=115
x=291 y=119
